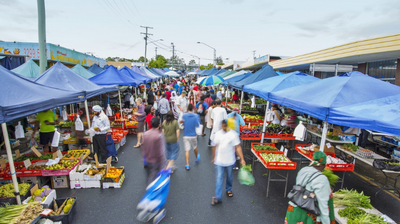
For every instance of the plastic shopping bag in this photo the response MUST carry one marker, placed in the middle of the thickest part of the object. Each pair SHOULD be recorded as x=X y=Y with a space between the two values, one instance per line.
x=245 y=177
x=155 y=105
x=270 y=116
x=253 y=102
x=19 y=131
x=199 y=129
x=155 y=197
x=180 y=119
x=56 y=138
x=132 y=100
x=108 y=111
x=64 y=114
x=78 y=124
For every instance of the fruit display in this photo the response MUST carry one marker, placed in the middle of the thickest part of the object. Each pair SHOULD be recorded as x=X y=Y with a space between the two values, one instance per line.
x=32 y=157
x=261 y=101
x=114 y=174
x=272 y=157
x=94 y=171
x=264 y=148
x=64 y=208
x=76 y=154
x=247 y=131
x=248 y=116
x=118 y=134
x=7 y=190
x=40 y=194
x=131 y=123
x=234 y=106
x=21 y=214
x=249 y=108
x=277 y=128
x=66 y=124
x=117 y=124
x=63 y=164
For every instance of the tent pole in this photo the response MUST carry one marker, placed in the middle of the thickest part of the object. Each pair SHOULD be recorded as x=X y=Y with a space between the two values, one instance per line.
x=358 y=136
x=88 y=121
x=265 y=123
x=241 y=100
x=226 y=96
x=11 y=161
x=135 y=92
x=323 y=138
x=120 y=105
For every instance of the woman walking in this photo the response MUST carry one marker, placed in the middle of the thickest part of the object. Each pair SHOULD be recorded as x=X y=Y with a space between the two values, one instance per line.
x=141 y=115
x=171 y=131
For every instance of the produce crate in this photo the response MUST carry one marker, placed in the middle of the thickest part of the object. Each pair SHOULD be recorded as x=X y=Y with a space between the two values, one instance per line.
x=66 y=218
x=257 y=143
x=13 y=200
x=58 y=172
x=341 y=167
x=286 y=136
x=70 y=141
x=46 y=201
x=114 y=180
x=85 y=151
x=277 y=165
x=308 y=153
x=107 y=185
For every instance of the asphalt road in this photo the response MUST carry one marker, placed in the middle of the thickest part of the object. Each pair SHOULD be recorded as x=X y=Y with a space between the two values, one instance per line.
x=190 y=194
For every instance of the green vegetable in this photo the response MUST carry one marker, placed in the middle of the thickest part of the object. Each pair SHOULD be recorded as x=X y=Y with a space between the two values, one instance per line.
x=351 y=198
x=332 y=178
x=367 y=219
x=7 y=190
x=351 y=212
x=351 y=147
x=34 y=157
x=272 y=157
x=264 y=148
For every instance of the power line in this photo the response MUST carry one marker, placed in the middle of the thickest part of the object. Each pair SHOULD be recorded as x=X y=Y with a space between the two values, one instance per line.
x=111 y=8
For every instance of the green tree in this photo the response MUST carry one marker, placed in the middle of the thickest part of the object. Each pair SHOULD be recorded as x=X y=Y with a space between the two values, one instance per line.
x=110 y=59
x=141 y=59
x=209 y=66
x=192 y=62
x=219 y=60
x=202 y=67
x=159 y=63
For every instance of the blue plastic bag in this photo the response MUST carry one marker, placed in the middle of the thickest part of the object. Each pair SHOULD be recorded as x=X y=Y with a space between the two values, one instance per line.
x=155 y=197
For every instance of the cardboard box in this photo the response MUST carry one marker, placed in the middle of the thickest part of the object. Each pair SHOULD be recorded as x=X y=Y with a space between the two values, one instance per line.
x=40 y=181
x=330 y=149
x=347 y=137
x=336 y=131
x=60 y=182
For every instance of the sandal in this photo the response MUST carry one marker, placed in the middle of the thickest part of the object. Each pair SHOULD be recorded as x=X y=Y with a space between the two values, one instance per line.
x=203 y=135
x=229 y=193
x=137 y=146
x=215 y=201
x=187 y=167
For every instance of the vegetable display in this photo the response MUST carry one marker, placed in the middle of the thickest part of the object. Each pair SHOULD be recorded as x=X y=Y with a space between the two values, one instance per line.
x=350 y=147
x=250 y=132
x=272 y=157
x=264 y=148
x=351 y=198
x=248 y=116
x=66 y=124
x=40 y=194
x=277 y=128
x=333 y=137
x=21 y=214
x=7 y=190
x=34 y=157
x=358 y=216
x=351 y=212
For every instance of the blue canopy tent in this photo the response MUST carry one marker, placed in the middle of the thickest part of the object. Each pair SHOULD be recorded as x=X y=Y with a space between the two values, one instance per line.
x=265 y=72
x=149 y=74
x=236 y=78
x=209 y=72
x=220 y=72
x=95 y=68
x=139 y=78
x=20 y=97
x=264 y=87
x=80 y=70
x=320 y=97
x=140 y=72
x=381 y=115
x=29 y=69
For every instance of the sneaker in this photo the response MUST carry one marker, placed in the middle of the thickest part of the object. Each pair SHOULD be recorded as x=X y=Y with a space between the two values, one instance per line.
x=198 y=158
x=187 y=167
x=157 y=219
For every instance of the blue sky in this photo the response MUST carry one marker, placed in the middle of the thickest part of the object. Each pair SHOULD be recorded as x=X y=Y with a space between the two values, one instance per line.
x=234 y=27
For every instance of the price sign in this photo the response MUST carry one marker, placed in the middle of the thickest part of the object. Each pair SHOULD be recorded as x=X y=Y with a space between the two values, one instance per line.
x=59 y=154
x=34 y=188
x=108 y=164
x=17 y=153
x=46 y=212
x=328 y=145
x=282 y=148
x=37 y=153
x=2 y=163
x=27 y=163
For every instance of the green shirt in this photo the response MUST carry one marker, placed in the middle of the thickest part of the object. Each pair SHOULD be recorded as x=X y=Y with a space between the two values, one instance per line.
x=45 y=116
x=170 y=131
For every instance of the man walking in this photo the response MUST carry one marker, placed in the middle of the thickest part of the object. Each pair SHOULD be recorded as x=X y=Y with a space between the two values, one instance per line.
x=201 y=110
x=153 y=148
x=163 y=107
x=182 y=103
x=227 y=145
x=190 y=121
x=218 y=114
x=100 y=124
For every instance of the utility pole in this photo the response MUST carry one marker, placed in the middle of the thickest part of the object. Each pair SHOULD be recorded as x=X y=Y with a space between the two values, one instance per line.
x=145 y=40
x=254 y=54
x=156 y=54
x=173 y=55
x=42 y=36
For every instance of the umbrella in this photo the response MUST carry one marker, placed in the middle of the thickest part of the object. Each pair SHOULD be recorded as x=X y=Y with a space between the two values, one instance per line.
x=211 y=80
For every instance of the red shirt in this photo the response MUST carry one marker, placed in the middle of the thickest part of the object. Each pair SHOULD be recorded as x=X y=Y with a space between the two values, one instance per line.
x=168 y=95
x=208 y=101
x=235 y=97
x=148 y=120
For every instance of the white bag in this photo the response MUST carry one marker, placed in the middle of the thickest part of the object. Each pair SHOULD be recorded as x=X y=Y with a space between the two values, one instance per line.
x=132 y=101
x=155 y=105
x=56 y=138
x=64 y=114
x=78 y=124
x=199 y=130
x=19 y=131
x=108 y=111
x=300 y=132
x=145 y=95
x=179 y=119
x=270 y=116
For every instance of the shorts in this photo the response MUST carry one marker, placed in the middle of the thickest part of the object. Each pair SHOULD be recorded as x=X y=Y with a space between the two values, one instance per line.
x=140 y=126
x=190 y=142
x=172 y=150
x=46 y=137
x=203 y=120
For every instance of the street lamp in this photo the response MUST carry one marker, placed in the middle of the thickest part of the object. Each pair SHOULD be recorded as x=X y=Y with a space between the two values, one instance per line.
x=215 y=52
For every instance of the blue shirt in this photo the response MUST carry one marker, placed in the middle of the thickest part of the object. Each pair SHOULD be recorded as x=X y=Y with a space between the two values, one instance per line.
x=181 y=89
x=239 y=120
x=213 y=96
x=176 y=86
x=201 y=111
x=190 y=121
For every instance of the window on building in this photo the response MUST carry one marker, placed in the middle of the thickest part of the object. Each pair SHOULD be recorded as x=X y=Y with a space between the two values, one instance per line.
x=385 y=70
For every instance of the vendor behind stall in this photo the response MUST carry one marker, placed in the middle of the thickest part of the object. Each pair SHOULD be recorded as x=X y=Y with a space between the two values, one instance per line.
x=46 y=119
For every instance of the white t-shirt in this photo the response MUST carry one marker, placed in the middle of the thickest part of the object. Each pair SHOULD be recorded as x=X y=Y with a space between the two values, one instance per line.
x=275 y=118
x=217 y=114
x=225 y=151
x=182 y=102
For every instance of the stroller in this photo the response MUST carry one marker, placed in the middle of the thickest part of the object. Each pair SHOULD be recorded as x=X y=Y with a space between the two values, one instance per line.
x=153 y=202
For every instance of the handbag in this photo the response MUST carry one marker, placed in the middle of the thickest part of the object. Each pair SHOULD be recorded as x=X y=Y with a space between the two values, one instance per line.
x=305 y=199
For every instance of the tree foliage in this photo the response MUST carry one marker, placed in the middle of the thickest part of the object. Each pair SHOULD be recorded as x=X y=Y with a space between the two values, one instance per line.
x=219 y=60
x=159 y=63
x=202 y=67
x=209 y=66
x=192 y=62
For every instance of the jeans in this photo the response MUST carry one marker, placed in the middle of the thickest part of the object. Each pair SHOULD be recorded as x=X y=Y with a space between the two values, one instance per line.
x=219 y=171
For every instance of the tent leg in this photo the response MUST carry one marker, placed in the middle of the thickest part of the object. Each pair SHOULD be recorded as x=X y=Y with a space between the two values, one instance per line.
x=135 y=93
x=11 y=161
x=120 y=105
x=265 y=123
x=358 y=136
x=323 y=138
x=226 y=97
x=88 y=121
x=241 y=100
